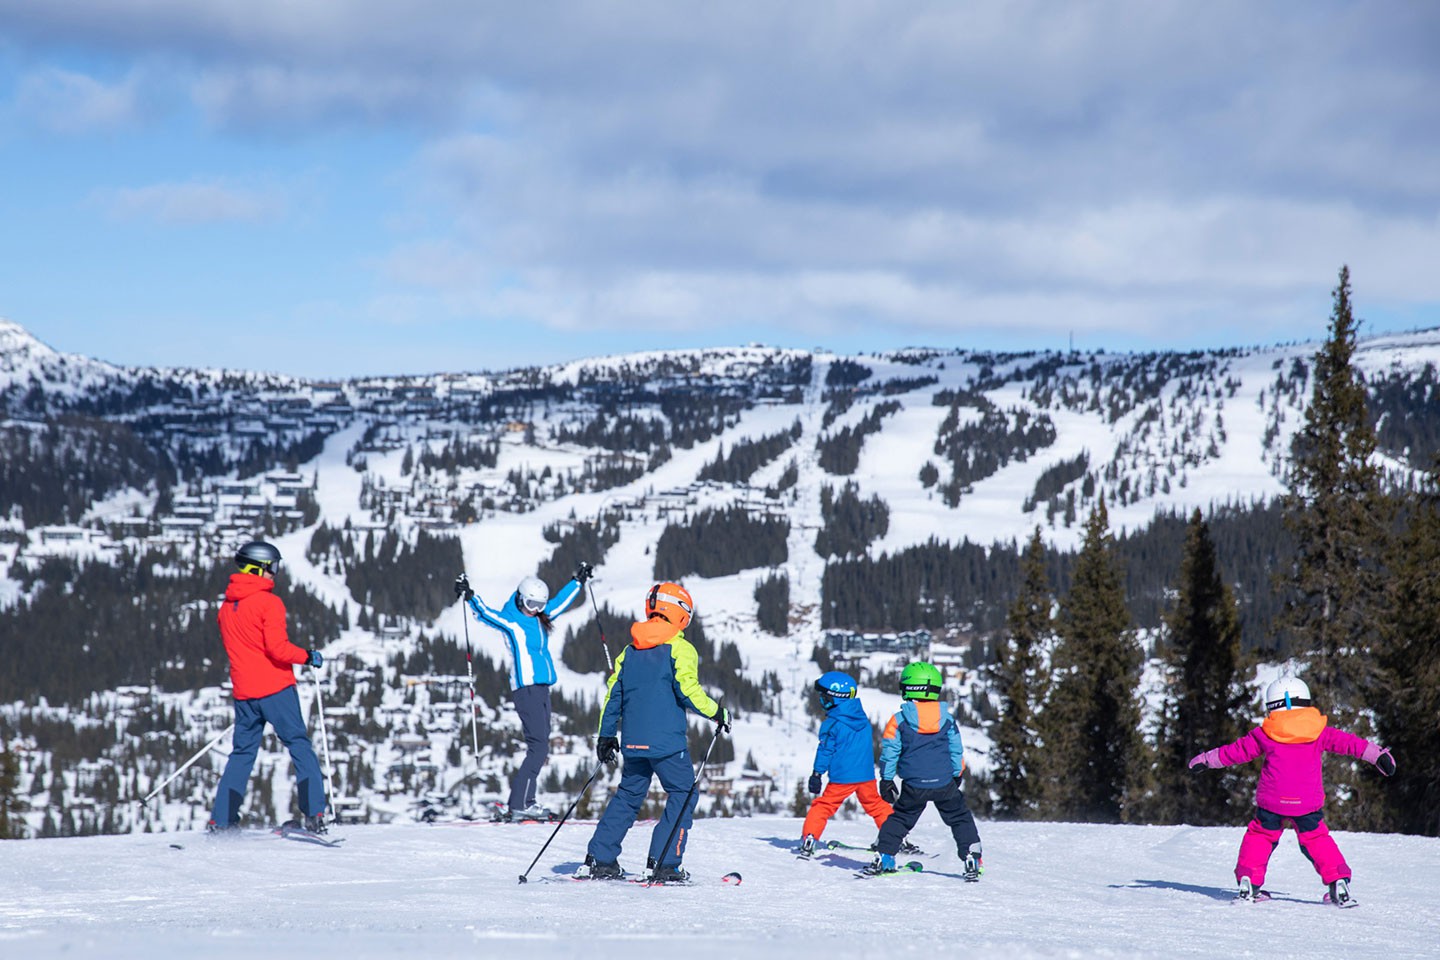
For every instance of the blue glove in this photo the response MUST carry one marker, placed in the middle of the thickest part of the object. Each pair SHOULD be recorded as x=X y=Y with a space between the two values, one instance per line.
x=889 y=791
x=315 y=658
x=814 y=784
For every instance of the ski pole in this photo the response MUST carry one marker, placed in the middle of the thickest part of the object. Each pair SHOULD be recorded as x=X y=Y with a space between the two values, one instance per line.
x=525 y=877
x=189 y=763
x=700 y=772
x=324 y=740
x=609 y=664
x=470 y=676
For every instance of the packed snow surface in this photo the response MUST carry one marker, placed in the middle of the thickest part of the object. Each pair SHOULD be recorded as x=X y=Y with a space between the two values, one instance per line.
x=451 y=890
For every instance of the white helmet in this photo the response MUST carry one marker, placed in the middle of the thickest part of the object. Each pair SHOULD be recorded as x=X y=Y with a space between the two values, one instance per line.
x=1287 y=693
x=532 y=595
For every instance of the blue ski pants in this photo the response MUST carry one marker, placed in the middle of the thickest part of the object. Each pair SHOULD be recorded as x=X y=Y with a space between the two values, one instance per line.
x=282 y=711
x=532 y=703
x=677 y=777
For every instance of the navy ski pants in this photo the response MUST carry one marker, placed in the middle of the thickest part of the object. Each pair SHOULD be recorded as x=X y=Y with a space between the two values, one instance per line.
x=282 y=711
x=677 y=777
x=912 y=802
x=532 y=703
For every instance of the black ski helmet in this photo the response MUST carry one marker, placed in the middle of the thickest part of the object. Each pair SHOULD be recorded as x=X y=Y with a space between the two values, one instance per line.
x=257 y=556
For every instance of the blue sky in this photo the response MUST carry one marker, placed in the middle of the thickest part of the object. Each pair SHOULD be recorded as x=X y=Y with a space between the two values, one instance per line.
x=329 y=188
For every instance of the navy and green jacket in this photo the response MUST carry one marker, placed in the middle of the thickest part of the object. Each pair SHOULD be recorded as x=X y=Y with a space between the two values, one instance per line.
x=656 y=679
x=922 y=745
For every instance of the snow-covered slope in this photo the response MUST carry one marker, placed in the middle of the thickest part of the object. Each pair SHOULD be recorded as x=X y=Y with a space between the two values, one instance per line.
x=450 y=890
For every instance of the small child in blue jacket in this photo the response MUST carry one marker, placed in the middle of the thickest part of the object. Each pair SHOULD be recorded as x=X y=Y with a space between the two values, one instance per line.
x=847 y=753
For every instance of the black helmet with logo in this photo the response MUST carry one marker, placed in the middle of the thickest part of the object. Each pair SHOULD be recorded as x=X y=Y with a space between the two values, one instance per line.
x=257 y=556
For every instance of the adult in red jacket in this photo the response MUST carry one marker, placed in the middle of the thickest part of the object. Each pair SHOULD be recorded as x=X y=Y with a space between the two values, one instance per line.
x=262 y=674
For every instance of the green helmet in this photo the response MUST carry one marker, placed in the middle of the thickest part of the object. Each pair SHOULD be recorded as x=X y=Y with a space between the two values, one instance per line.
x=920 y=681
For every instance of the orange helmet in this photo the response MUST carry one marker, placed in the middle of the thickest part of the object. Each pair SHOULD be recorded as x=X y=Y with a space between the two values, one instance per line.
x=671 y=601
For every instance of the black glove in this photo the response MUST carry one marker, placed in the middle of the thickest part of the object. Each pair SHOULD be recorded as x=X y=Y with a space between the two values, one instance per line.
x=315 y=659
x=722 y=720
x=584 y=572
x=814 y=784
x=889 y=791
x=957 y=782
x=607 y=748
x=1385 y=763
x=462 y=588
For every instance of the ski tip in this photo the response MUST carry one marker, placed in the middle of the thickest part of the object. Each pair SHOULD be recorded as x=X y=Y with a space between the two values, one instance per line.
x=915 y=866
x=734 y=879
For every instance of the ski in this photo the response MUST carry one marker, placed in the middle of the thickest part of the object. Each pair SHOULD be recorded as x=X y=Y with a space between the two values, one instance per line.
x=290 y=830
x=731 y=879
x=912 y=866
x=907 y=848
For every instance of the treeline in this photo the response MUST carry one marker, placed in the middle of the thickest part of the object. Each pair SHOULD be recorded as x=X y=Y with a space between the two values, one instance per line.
x=840 y=451
x=587 y=542
x=850 y=524
x=747 y=456
x=717 y=543
x=772 y=604
x=53 y=472
x=1405 y=411
x=937 y=584
x=977 y=449
x=392 y=576
x=456 y=455
x=140 y=618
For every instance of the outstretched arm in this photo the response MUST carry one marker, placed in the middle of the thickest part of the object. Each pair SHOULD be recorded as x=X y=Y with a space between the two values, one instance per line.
x=1241 y=751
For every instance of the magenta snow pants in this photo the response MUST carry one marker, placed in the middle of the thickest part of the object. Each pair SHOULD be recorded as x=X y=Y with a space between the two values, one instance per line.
x=1264 y=832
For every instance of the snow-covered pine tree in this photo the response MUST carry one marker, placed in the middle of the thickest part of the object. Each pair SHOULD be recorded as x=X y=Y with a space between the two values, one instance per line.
x=1090 y=725
x=1341 y=521
x=1406 y=695
x=1205 y=697
x=1018 y=676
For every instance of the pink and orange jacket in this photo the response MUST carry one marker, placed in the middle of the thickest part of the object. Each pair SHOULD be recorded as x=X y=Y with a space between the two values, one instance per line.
x=1292 y=743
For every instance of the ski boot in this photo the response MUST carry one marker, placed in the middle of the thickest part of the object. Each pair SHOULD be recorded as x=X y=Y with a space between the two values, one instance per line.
x=910 y=850
x=1339 y=894
x=807 y=848
x=315 y=824
x=222 y=829
x=883 y=863
x=1249 y=893
x=602 y=871
x=532 y=812
x=973 y=863
x=667 y=873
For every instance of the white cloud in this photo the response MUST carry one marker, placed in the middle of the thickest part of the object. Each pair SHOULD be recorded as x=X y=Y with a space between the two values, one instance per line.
x=63 y=101
x=191 y=204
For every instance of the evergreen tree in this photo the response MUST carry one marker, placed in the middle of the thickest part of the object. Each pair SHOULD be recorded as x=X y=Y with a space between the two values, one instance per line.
x=1018 y=676
x=1406 y=697
x=1090 y=724
x=12 y=825
x=1339 y=518
x=1205 y=697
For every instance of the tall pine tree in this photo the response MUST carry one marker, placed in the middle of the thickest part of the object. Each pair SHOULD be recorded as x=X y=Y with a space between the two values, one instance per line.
x=1340 y=521
x=1205 y=698
x=1406 y=696
x=1019 y=677
x=12 y=824
x=1093 y=751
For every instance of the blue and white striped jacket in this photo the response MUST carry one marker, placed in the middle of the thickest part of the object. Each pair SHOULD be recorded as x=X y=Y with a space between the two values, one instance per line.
x=525 y=636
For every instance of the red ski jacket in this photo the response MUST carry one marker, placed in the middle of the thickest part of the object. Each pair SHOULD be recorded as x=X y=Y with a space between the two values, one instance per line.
x=252 y=624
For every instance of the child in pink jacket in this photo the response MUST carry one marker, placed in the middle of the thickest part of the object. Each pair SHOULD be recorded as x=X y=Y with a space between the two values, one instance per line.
x=1292 y=741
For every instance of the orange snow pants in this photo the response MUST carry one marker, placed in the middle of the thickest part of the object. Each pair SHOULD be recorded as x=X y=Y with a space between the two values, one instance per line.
x=823 y=807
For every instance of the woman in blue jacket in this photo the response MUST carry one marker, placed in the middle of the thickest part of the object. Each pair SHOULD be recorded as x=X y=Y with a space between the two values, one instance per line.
x=525 y=621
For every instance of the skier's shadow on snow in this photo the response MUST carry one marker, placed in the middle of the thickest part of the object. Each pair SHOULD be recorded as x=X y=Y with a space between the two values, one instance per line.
x=1214 y=893
x=833 y=859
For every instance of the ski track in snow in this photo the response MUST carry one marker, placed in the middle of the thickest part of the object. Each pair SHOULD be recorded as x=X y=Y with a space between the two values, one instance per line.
x=450 y=890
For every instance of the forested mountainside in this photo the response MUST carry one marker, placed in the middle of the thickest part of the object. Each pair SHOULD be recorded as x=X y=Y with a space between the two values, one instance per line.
x=824 y=510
